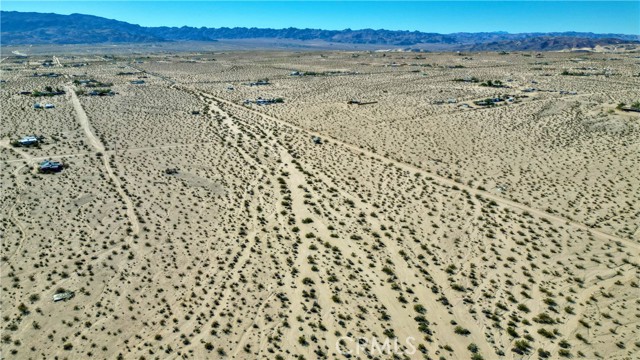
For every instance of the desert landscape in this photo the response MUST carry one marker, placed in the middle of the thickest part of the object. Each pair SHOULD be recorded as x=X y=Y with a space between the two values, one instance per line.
x=320 y=205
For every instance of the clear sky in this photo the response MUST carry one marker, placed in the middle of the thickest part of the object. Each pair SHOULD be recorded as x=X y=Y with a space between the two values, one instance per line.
x=428 y=16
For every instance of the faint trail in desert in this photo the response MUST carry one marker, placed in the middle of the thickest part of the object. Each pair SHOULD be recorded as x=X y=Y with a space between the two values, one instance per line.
x=30 y=158
x=26 y=157
x=23 y=232
x=405 y=166
x=171 y=81
x=84 y=121
x=247 y=329
x=440 y=179
x=11 y=209
x=97 y=144
x=298 y=179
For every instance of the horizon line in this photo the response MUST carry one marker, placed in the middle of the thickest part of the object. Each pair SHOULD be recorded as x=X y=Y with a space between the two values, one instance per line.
x=343 y=29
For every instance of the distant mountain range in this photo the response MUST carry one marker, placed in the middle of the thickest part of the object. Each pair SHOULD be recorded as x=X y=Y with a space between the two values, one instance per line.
x=18 y=28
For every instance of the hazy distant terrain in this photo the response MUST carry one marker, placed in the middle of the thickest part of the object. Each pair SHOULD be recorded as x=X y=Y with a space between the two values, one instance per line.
x=41 y=28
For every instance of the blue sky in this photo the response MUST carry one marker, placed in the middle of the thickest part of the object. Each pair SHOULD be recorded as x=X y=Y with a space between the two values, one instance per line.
x=428 y=16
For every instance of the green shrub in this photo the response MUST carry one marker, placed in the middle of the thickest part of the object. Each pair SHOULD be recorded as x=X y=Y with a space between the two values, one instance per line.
x=419 y=309
x=461 y=331
x=564 y=353
x=521 y=346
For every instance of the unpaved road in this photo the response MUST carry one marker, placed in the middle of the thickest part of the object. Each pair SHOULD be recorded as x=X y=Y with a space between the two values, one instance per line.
x=97 y=144
x=84 y=120
x=441 y=179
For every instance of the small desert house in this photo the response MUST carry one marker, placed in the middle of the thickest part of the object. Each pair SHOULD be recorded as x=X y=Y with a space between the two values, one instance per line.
x=63 y=296
x=50 y=166
x=28 y=141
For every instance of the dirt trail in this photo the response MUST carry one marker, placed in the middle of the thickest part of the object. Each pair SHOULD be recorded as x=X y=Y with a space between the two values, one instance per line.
x=106 y=152
x=11 y=208
x=26 y=157
x=297 y=179
x=84 y=120
x=97 y=144
x=23 y=232
x=247 y=329
x=244 y=255
x=167 y=79
x=441 y=179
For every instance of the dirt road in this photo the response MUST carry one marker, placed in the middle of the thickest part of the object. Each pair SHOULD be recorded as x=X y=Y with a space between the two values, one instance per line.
x=97 y=144
x=443 y=180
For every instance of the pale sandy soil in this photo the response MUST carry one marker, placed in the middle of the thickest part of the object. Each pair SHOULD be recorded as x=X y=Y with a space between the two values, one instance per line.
x=499 y=233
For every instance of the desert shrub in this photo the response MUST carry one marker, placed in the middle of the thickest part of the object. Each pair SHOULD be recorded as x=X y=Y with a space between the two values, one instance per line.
x=569 y=310
x=543 y=354
x=564 y=353
x=461 y=331
x=521 y=346
x=419 y=309
x=544 y=318
x=303 y=341
x=546 y=333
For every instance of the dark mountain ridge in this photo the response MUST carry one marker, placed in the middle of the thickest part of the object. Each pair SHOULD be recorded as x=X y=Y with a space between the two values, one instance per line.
x=39 y=28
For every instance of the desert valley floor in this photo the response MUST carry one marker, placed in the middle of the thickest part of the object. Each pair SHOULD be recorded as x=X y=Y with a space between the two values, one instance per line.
x=458 y=206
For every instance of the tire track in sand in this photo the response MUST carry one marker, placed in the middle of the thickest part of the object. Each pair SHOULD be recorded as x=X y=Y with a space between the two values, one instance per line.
x=557 y=218
x=97 y=144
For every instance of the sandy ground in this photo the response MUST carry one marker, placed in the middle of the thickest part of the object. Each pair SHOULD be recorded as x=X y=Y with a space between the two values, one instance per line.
x=508 y=232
